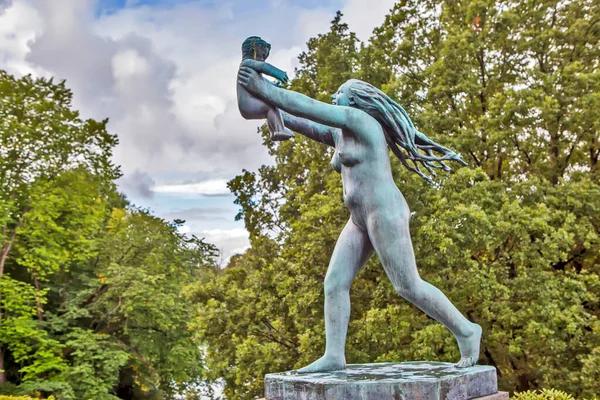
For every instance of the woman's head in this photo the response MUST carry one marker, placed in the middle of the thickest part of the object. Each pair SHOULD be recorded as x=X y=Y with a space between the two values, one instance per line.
x=405 y=141
x=343 y=97
x=255 y=48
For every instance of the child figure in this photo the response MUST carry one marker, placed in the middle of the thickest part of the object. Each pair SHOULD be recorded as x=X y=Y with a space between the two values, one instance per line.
x=254 y=53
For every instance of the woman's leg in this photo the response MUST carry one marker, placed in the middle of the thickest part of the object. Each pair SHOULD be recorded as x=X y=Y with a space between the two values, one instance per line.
x=391 y=240
x=351 y=252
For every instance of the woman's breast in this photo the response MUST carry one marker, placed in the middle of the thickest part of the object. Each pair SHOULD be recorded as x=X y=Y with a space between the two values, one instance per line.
x=348 y=155
x=349 y=158
x=335 y=162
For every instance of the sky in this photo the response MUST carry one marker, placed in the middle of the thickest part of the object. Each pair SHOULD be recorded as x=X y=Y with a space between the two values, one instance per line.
x=164 y=73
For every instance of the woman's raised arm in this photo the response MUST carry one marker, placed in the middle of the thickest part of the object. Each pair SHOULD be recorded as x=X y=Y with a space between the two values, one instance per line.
x=312 y=130
x=300 y=105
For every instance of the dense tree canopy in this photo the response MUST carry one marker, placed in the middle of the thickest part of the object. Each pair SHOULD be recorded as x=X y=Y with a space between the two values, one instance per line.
x=93 y=299
x=512 y=239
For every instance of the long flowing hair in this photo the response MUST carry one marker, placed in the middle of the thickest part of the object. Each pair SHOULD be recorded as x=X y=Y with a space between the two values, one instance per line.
x=405 y=141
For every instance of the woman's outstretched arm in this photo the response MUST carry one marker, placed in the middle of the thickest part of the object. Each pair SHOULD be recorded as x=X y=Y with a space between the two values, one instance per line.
x=302 y=106
x=312 y=130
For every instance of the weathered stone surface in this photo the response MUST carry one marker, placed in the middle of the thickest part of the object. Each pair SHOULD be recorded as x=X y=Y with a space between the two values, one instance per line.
x=386 y=381
x=496 y=396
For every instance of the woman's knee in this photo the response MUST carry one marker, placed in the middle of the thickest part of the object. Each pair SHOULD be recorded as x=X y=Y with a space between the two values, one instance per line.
x=334 y=284
x=413 y=290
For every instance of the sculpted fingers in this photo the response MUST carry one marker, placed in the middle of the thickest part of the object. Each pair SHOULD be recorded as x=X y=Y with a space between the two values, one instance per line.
x=250 y=79
x=250 y=72
x=244 y=76
x=243 y=72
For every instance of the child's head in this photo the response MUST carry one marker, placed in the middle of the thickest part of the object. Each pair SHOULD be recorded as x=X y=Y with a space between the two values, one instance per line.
x=255 y=48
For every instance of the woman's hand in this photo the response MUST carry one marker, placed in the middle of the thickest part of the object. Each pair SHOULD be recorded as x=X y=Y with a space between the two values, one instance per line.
x=250 y=79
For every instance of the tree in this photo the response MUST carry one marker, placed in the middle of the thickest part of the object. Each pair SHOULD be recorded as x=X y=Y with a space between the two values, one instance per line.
x=512 y=239
x=514 y=87
x=93 y=298
x=43 y=144
x=124 y=314
x=40 y=138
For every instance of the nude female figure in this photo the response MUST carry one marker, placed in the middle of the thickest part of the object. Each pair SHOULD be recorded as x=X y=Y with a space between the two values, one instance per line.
x=361 y=125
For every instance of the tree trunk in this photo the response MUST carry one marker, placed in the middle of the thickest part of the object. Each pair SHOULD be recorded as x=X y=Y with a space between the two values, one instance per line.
x=4 y=256
x=38 y=303
x=6 y=246
x=6 y=250
x=2 y=371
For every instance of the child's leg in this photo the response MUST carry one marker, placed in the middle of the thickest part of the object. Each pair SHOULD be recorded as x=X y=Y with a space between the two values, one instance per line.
x=276 y=125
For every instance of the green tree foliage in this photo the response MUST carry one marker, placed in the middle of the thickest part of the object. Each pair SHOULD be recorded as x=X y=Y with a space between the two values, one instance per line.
x=544 y=394
x=51 y=164
x=124 y=314
x=512 y=239
x=93 y=298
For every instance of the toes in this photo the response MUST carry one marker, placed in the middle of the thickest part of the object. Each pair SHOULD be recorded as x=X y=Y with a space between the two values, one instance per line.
x=465 y=362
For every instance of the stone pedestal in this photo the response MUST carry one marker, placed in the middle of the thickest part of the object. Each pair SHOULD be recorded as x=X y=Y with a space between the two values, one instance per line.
x=388 y=381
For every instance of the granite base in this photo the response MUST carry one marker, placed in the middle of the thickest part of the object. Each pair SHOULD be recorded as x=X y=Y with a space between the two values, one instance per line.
x=496 y=396
x=387 y=381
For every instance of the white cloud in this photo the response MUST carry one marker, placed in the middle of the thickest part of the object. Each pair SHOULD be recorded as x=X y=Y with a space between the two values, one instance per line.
x=228 y=241
x=165 y=77
x=183 y=229
x=19 y=25
x=313 y=21
x=200 y=214
x=363 y=16
x=128 y=64
x=207 y=188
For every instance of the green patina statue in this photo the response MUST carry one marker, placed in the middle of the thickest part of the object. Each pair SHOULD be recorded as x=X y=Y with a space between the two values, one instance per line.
x=362 y=124
x=254 y=53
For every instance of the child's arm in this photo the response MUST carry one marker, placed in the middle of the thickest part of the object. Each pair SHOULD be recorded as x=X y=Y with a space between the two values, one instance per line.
x=267 y=69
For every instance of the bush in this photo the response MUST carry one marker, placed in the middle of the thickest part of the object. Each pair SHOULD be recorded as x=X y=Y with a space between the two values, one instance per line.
x=22 y=398
x=545 y=394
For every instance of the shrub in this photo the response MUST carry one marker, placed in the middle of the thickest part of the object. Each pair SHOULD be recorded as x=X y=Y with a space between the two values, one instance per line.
x=22 y=398
x=545 y=394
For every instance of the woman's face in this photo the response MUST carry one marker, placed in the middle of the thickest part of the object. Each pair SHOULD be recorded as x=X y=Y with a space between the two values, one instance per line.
x=342 y=97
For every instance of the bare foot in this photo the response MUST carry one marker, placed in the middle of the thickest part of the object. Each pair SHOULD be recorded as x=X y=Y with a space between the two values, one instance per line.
x=280 y=136
x=324 y=364
x=469 y=348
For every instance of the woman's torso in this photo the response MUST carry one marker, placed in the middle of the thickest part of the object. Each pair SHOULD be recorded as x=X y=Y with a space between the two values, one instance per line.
x=364 y=164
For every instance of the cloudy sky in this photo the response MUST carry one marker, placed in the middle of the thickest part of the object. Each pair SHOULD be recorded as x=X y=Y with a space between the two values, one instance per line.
x=164 y=72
